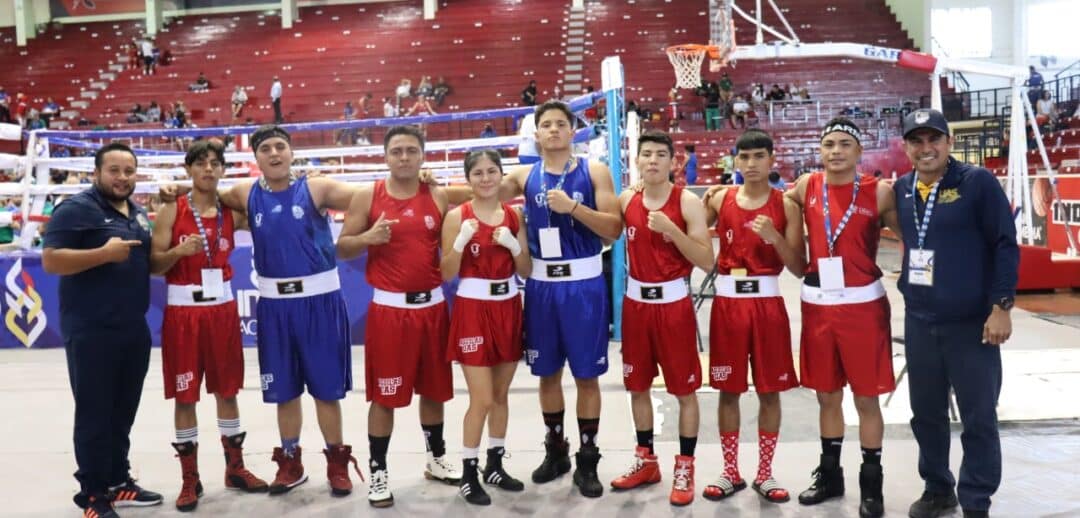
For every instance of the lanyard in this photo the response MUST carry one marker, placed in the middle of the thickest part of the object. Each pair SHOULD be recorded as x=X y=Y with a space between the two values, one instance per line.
x=558 y=185
x=830 y=238
x=921 y=229
x=202 y=230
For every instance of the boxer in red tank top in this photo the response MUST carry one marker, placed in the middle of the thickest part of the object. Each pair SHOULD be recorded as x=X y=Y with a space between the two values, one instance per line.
x=666 y=236
x=200 y=333
x=760 y=233
x=484 y=242
x=846 y=335
x=398 y=222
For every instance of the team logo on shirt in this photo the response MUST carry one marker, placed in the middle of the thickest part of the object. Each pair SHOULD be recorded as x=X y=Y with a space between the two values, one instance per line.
x=470 y=344
x=297 y=211
x=25 y=316
x=429 y=222
x=948 y=195
x=631 y=232
x=540 y=200
x=223 y=244
x=184 y=380
x=276 y=209
x=720 y=373
x=389 y=386
x=813 y=201
x=258 y=219
x=578 y=197
x=143 y=222
x=408 y=213
x=730 y=235
x=475 y=249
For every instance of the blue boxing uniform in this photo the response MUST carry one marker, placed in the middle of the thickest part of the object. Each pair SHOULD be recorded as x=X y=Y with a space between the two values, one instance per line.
x=303 y=323
x=566 y=299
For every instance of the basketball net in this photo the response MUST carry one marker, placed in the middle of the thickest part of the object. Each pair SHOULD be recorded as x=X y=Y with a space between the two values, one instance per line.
x=687 y=59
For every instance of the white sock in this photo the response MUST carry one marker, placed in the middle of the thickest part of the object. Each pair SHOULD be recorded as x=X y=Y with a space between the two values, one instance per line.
x=496 y=442
x=470 y=453
x=229 y=427
x=188 y=435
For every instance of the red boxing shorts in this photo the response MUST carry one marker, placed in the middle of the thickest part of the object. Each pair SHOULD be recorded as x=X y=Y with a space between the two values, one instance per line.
x=847 y=343
x=752 y=332
x=664 y=334
x=485 y=333
x=198 y=341
x=405 y=351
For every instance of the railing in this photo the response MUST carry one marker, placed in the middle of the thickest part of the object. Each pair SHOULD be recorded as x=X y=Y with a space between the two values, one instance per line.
x=997 y=102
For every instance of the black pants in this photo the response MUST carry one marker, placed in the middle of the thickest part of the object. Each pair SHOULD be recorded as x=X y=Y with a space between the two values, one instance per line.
x=106 y=370
x=940 y=356
x=277 y=111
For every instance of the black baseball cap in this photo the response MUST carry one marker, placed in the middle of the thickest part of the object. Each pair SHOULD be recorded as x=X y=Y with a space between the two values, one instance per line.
x=925 y=118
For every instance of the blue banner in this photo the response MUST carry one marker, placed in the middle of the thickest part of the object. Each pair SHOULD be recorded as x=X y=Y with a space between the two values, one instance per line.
x=31 y=305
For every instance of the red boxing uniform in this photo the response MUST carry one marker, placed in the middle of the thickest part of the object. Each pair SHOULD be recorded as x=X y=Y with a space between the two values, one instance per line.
x=749 y=324
x=201 y=337
x=485 y=324
x=846 y=336
x=658 y=322
x=405 y=339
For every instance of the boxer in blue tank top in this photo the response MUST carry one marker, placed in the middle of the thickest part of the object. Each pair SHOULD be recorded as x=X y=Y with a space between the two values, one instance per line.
x=303 y=335
x=570 y=211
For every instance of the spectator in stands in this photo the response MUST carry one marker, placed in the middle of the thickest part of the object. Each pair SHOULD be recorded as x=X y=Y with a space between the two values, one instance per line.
x=425 y=87
x=3 y=94
x=776 y=182
x=133 y=54
x=1035 y=84
x=591 y=114
x=388 y=108
x=239 y=99
x=1046 y=110
x=146 y=50
x=201 y=84
x=422 y=104
x=50 y=110
x=489 y=131
x=137 y=114
x=153 y=112
x=528 y=95
x=776 y=94
x=442 y=89
x=34 y=121
x=673 y=111
x=726 y=88
x=22 y=109
x=690 y=166
x=404 y=89
x=757 y=95
x=275 y=99
x=363 y=106
x=180 y=113
x=739 y=109
x=804 y=95
x=362 y=137
x=714 y=98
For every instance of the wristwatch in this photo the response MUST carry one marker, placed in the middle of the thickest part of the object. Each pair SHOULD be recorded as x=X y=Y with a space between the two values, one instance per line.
x=1005 y=303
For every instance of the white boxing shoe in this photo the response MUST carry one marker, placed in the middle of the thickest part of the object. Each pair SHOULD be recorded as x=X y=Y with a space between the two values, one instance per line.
x=440 y=468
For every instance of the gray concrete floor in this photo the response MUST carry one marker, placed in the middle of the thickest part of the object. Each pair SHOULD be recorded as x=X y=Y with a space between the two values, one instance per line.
x=1038 y=410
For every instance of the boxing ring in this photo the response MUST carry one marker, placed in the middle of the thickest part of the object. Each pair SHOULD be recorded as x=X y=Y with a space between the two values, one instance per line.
x=30 y=304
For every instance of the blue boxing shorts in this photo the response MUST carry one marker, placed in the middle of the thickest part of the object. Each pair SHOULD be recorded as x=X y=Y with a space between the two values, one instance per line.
x=304 y=341
x=566 y=320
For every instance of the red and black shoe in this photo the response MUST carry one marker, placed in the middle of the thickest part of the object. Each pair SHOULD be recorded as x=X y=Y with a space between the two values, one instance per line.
x=290 y=471
x=236 y=475
x=191 y=490
x=337 y=469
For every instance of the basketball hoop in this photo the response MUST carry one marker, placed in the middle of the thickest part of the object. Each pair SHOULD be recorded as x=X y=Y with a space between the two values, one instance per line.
x=687 y=61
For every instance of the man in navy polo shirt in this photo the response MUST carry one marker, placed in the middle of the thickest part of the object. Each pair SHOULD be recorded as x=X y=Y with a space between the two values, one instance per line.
x=958 y=280
x=98 y=242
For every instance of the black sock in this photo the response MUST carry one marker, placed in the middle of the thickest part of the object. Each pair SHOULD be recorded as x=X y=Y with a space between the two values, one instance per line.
x=687 y=446
x=433 y=438
x=588 y=429
x=830 y=446
x=377 y=447
x=871 y=456
x=553 y=421
x=645 y=440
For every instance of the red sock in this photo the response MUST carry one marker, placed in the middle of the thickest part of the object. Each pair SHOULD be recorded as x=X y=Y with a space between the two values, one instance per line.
x=730 y=442
x=766 y=449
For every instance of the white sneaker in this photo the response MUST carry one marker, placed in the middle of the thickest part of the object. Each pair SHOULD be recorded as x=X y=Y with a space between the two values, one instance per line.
x=379 y=494
x=440 y=468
